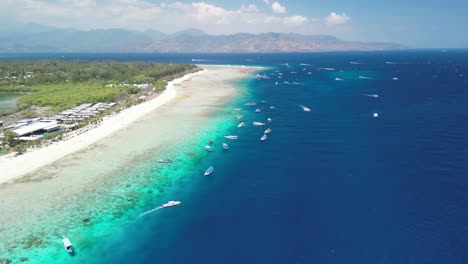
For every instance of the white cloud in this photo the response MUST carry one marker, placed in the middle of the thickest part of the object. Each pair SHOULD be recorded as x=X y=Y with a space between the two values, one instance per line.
x=337 y=19
x=146 y=14
x=278 y=8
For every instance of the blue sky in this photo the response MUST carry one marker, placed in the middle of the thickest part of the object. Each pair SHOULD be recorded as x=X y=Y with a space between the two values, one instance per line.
x=419 y=24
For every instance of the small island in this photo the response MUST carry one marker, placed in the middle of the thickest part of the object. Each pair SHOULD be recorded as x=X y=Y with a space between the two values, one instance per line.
x=55 y=97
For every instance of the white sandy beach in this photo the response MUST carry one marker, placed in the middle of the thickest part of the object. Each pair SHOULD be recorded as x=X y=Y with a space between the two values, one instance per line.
x=12 y=167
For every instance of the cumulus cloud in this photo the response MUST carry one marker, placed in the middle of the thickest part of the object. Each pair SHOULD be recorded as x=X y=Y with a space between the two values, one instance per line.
x=146 y=14
x=337 y=19
x=276 y=7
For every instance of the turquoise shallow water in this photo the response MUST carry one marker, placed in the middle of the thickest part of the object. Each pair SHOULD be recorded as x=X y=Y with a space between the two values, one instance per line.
x=102 y=216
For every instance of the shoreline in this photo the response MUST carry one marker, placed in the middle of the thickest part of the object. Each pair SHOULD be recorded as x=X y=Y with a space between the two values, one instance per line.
x=118 y=177
x=34 y=159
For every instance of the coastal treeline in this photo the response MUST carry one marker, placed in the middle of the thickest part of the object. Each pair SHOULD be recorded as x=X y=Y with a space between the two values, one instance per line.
x=63 y=83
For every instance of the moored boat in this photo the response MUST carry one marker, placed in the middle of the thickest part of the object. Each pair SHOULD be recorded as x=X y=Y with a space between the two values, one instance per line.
x=231 y=137
x=208 y=148
x=242 y=124
x=165 y=161
x=264 y=137
x=269 y=119
x=258 y=124
x=268 y=131
x=211 y=141
x=258 y=110
x=209 y=171
x=67 y=245
x=240 y=118
x=250 y=104
x=225 y=146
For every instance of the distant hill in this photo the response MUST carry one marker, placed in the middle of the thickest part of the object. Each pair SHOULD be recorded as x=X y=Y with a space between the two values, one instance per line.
x=38 y=38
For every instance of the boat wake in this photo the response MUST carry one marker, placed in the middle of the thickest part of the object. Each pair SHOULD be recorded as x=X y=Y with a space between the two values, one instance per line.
x=150 y=211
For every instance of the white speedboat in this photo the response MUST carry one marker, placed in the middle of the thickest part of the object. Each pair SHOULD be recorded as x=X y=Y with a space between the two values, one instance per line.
x=375 y=115
x=258 y=110
x=165 y=161
x=237 y=109
x=208 y=148
x=373 y=95
x=338 y=79
x=231 y=137
x=269 y=119
x=272 y=107
x=210 y=141
x=268 y=131
x=263 y=101
x=67 y=245
x=264 y=137
x=258 y=124
x=241 y=124
x=250 y=104
x=209 y=171
x=395 y=78
x=171 y=203
x=225 y=146
x=240 y=118
x=306 y=109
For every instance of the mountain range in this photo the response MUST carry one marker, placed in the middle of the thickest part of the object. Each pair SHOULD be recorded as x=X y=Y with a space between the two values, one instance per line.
x=40 y=38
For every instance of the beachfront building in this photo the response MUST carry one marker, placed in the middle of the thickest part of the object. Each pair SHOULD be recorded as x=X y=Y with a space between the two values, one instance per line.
x=36 y=128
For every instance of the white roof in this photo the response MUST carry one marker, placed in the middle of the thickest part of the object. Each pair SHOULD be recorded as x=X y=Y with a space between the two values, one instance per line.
x=31 y=128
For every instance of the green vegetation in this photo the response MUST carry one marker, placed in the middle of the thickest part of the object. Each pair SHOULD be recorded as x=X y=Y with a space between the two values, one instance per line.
x=64 y=84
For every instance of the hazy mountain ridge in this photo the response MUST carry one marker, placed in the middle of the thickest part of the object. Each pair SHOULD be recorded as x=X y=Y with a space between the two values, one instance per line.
x=37 y=38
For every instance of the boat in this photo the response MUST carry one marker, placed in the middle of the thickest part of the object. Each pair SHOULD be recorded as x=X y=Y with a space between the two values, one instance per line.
x=209 y=171
x=225 y=146
x=395 y=78
x=250 y=104
x=264 y=137
x=241 y=124
x=268 y=131
x=240 y=118
x=208 y=148
x=306 y=109
x=171 y=203
x=258 y=124
x=258 y=110
x=338 y=79
x=231 y=137
x=376 y=115
x=269 y=119
x=272 y=107
x=165 y=161
x=263 y=101
x=211 y=141
x=237 y=109
x=67 y=245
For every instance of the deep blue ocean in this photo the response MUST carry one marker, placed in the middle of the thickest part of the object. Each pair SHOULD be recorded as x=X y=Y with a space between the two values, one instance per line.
x=333 y=185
